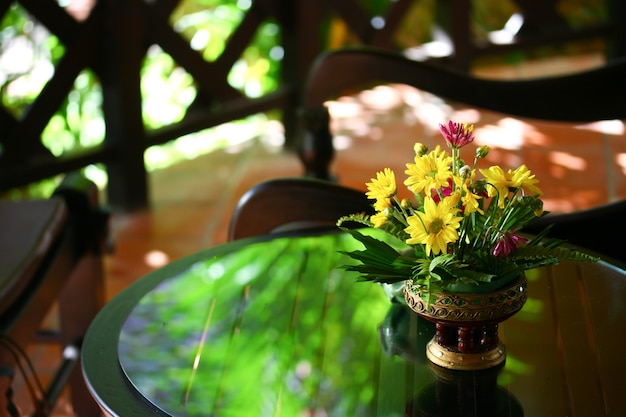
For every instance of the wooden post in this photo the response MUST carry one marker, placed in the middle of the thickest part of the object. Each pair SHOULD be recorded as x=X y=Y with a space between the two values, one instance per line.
x=122 y=54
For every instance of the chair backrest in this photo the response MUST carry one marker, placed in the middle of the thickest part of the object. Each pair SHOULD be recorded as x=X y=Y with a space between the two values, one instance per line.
x=593 y=95
x=288 y=204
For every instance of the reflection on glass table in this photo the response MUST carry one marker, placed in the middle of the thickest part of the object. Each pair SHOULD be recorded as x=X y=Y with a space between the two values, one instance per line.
x=273 y=326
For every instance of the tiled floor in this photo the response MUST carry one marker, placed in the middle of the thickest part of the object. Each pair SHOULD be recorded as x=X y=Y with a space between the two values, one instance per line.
x=578 y=166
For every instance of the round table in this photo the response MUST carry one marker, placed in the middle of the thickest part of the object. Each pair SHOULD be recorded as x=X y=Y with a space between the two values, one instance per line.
x=272 y=326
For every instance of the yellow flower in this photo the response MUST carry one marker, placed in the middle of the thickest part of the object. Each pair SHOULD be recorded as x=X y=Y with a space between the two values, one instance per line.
x=436 y=226
x=502 y=182
x=499 y=182
x=523 y=178
x=382 y=188
x=429 y=171
x=382 y=203
x=379 y=219
x=470 y=201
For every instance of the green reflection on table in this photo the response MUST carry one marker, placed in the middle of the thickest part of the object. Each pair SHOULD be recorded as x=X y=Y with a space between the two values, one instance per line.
x=275 y=328
x=283 y=326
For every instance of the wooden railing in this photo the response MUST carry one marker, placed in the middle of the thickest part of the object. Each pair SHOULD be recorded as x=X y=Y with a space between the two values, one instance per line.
x=113 y=40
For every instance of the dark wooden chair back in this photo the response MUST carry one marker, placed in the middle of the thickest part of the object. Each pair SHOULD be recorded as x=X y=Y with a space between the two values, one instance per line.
x=290 y=204
x=589 y=96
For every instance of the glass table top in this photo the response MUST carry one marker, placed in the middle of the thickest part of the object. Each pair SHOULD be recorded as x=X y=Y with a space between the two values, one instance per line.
x=278 y=328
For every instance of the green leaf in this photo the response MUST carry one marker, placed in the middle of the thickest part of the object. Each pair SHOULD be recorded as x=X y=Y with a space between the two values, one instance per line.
x=376 y=246
x=380 y=262
x=476 y=276
x=361 y=218
x=546 y=251
x=442 y=261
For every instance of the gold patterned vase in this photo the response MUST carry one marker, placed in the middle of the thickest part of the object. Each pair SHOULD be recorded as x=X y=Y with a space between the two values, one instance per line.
x=466 y=335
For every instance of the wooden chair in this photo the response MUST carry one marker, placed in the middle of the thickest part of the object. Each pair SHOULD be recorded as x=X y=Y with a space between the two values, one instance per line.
x=289 y=204
x=587 y=96
x=50 y=255
x=593 y=95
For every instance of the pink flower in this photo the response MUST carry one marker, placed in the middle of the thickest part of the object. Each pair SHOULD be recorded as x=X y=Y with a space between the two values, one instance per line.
x=457 y=134
x=507 y=243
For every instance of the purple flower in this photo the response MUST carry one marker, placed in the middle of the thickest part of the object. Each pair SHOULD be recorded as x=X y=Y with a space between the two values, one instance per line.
x=457 y=134
x=507 y=243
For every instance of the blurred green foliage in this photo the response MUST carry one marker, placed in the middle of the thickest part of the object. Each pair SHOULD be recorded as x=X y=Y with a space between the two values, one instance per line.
x=28 y=54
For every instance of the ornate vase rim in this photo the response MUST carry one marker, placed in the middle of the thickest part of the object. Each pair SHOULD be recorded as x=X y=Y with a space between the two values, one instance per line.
x=456 y=307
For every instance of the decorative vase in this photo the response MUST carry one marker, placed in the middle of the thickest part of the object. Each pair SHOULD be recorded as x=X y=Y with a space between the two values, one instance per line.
x=466 y=324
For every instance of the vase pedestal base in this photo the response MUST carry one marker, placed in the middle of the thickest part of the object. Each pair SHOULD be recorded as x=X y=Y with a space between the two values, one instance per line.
x=466 y=324
x=448 y=359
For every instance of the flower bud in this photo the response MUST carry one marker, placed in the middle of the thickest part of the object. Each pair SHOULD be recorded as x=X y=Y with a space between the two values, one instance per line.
x=479 y=187
x=405 y=203
x=482 y=151
x=537 y=206
x=518 y=200
x=465 y=171
x=457 y=135
x=420 y=149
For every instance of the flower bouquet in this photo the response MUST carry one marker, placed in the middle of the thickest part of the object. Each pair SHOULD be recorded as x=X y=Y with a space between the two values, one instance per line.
x=456 y=232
